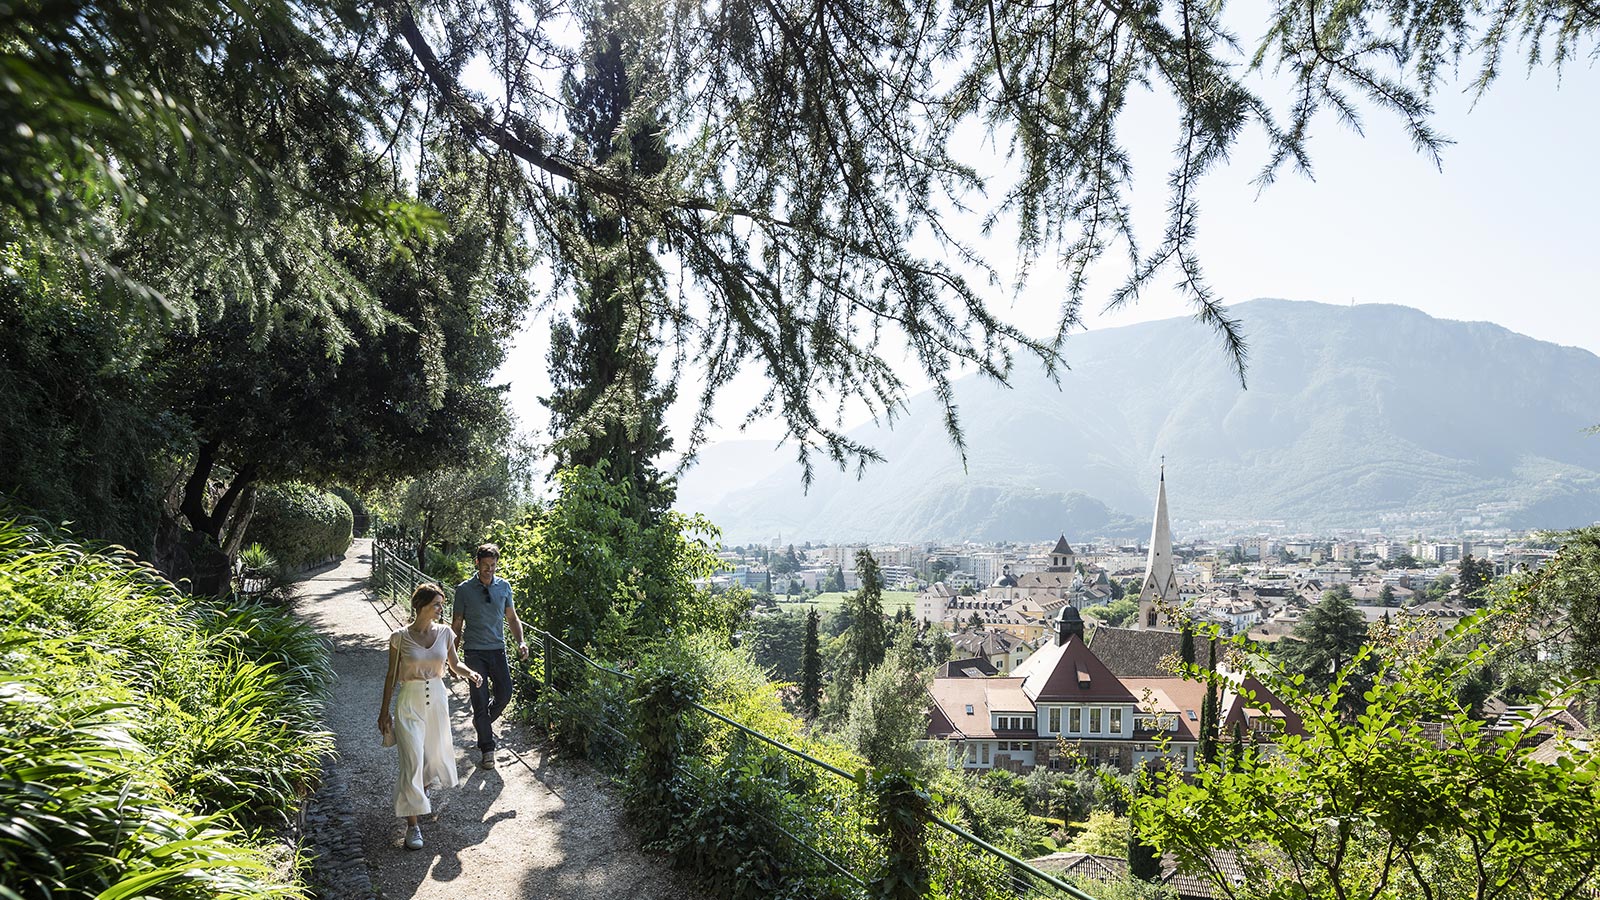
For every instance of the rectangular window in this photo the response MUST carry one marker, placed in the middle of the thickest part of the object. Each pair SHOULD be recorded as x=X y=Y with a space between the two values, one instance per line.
x=1094 y=720
x=1027 y=724
x=1055 y=721
x=972 y=753
x=985 y=759
x=1116 y=720
x=1075 y=721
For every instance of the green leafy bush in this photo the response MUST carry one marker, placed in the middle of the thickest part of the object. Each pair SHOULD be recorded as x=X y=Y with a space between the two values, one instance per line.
x=300 y=525
x=147 y=738
x=449 y=569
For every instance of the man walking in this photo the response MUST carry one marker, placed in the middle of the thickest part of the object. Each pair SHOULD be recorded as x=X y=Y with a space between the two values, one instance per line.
x=483 y=609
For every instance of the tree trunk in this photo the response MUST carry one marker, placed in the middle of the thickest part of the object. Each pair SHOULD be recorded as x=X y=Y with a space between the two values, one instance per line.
x=209 y=565
x=193 y=506
x=422 y=542
x=240 y=523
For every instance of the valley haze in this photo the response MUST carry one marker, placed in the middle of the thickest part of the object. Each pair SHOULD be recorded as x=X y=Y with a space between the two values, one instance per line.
x=1354 y=417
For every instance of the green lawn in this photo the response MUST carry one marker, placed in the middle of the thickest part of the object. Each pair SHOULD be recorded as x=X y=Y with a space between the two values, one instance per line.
x=892 y=601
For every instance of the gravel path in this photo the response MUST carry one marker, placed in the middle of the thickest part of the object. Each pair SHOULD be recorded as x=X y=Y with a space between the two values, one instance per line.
x=535 y=827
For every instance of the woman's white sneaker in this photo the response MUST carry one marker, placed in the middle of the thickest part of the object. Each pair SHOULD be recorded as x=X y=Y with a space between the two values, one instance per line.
x=414 y=838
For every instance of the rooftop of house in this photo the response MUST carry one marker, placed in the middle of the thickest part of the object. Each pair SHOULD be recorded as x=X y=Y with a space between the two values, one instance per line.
x=965 y=705
x=971 y=667
x=1068 y=672
x=1133 y=653
x=1106 y=869
x=986 y=643
x=1171 y=695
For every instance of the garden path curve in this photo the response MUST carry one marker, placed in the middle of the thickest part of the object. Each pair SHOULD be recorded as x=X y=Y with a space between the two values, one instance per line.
x=534 y=828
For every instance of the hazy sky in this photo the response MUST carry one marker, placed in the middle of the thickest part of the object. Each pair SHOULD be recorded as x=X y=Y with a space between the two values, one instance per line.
x=1507 y=232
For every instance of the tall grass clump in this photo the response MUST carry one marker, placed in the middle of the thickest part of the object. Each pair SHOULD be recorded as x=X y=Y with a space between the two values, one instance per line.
x=150 y=742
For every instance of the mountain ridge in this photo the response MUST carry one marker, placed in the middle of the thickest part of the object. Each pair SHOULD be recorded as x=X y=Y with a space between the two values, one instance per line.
x=1355 y=416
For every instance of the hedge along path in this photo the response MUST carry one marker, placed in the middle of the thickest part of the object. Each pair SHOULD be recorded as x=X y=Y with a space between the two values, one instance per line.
x=533 y=828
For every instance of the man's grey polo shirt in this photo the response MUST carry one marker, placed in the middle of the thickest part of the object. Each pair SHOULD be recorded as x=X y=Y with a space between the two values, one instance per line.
x=484 y=608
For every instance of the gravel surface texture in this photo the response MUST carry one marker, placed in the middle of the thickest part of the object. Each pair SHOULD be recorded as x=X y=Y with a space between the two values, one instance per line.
x=535 y=827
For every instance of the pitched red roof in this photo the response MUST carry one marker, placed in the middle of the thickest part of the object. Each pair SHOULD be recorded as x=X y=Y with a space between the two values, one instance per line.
x=1235 y=707
x=1070 y=673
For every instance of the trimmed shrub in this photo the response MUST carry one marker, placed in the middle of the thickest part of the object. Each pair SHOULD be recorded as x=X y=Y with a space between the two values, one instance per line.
x=358 y=509
x=301 y=526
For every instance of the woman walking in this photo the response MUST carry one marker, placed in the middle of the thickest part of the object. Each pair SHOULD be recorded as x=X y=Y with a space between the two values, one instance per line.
x=420 y=723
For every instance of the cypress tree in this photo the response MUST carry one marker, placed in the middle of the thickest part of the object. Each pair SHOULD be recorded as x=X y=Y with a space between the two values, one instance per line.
x=811 y=667
x=605 y=404
x=1209 y=712
x=868 y=636
x=1187 y=652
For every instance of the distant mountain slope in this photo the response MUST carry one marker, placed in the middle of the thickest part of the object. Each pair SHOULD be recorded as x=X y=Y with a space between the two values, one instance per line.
x=1355 y=416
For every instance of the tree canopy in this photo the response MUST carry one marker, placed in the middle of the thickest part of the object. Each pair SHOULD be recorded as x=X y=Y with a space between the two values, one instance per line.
x=1328 y=637
x=1416 y=797
x=814 y=162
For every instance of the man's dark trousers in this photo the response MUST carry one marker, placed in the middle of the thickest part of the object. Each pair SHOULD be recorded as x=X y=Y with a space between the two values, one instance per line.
x=491 y=664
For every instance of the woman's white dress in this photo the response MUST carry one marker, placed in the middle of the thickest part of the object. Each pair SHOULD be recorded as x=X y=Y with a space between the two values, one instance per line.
x=422 y=719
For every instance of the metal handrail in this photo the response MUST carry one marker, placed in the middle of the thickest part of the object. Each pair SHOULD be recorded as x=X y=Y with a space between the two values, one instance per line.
x=1045 y=877
x=956 y=830
x=848 y=776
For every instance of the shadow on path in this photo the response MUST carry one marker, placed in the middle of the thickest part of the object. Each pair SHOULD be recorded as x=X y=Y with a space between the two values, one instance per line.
x=533 y=828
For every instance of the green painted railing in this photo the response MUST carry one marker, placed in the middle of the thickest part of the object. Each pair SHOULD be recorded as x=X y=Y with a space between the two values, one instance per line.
x=1015 y=876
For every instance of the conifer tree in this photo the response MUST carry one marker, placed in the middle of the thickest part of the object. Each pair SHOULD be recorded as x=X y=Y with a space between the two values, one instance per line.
x=1327 y=638
x=1209 y=709
x=1187 y=648
x=605 y=403
x=811 y=667
x=868 y=636
x=1143 y=861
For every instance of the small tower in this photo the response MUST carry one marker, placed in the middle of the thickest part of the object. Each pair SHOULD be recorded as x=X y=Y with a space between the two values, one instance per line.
x=1062 y=557
x=1068 y=624
x=1159 y=592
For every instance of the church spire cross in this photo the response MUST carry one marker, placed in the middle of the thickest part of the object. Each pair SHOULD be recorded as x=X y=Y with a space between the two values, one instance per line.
x=1160 y=580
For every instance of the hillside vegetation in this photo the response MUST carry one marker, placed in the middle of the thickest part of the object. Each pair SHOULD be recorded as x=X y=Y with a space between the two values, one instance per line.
x=151 y=741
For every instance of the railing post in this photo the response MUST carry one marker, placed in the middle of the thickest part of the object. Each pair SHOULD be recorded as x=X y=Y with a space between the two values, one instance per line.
x=900 y=822
x=549 y=677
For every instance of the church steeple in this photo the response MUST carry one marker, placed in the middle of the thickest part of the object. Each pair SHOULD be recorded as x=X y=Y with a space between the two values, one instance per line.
x=1160 y=587
x=1062 y=558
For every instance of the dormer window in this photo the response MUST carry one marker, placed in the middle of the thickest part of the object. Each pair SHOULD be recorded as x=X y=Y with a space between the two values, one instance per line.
x=969 y=709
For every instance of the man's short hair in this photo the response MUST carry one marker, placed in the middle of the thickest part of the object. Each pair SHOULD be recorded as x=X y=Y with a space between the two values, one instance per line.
x=486 y=550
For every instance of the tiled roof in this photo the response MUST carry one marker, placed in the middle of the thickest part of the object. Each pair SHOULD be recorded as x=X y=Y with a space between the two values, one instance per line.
x=1134 y=653
x=986 y=643
x=1179 y=696
x=953 y=696
x=1106 y=869
x=962 y=668
x=1069 y=673
x=1194 y=885
x=1235 y=707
